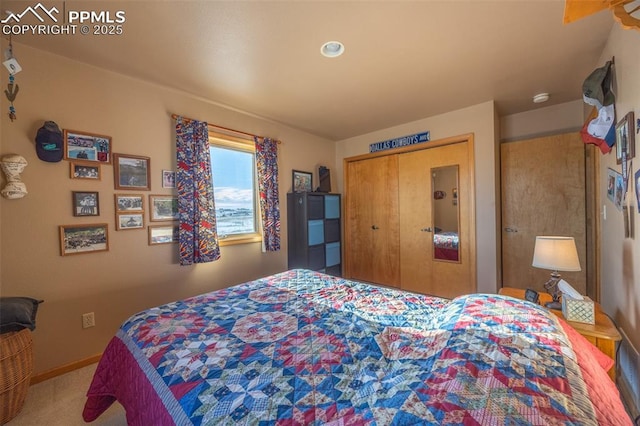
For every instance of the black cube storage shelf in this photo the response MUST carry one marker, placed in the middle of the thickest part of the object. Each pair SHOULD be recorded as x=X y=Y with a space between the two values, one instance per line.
x=314 y=226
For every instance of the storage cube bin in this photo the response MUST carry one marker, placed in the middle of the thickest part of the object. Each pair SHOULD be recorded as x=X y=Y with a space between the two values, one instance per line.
x=332 y=230
x=315 y=204
x=332 y=206
x=316 y=232
x=333 y=254
x=316 y=257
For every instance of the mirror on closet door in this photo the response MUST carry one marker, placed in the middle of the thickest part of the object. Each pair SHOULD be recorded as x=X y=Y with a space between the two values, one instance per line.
x=445 y=213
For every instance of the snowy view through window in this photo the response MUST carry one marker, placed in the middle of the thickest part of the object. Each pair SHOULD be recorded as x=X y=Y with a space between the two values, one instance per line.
x=233 y=186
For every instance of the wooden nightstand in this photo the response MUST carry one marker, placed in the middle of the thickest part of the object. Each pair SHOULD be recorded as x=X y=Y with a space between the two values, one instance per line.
x=603 y=334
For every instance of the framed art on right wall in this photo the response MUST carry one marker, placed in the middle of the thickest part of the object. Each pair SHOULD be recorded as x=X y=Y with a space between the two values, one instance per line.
x=611 y=184
x=619 y=191
x=625 y=139
x=637 y=179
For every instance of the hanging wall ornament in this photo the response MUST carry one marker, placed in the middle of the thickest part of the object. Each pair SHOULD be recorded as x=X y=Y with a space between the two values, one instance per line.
x=12 y=92
x=12 y=165
x=14 y=68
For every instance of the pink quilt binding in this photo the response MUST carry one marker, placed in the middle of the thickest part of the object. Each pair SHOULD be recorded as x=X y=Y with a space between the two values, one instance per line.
x=602 y=391
x=119 y=377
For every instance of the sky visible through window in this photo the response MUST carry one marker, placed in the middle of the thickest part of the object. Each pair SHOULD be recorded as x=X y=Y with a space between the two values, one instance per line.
x=233 y=187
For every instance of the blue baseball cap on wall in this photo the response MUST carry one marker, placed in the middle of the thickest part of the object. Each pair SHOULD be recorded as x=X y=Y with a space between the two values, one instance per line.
x=49 y=142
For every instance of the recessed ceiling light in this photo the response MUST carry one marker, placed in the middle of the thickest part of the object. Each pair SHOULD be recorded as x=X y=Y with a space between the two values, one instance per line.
x=332 y=49
x=540 y=98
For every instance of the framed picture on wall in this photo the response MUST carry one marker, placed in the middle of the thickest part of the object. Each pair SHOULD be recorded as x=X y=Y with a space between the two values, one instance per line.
x=625 y=139
x=637 y=181
x=86 y=146
x=84 y=170
x=611 y=184
x=619 y=191
x=127 y=221
x=129 y=203
x=163 y=234
x=168 y=179
x=81 y=239
x=132 y=172
x=163 y=208
x=85 y=203
x=302 y=181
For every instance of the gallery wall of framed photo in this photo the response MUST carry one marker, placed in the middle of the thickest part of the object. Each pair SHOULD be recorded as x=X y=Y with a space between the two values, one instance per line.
x=622 y=182
x=135 y=208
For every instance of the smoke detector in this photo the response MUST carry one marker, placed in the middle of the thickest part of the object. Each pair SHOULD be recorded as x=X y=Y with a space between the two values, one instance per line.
x=540 y=98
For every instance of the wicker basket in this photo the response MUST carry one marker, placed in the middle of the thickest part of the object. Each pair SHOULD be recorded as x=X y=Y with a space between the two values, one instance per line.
x=16 y=365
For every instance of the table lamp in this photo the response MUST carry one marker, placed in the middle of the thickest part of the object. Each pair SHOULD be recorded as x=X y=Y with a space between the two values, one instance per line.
x=555 y=254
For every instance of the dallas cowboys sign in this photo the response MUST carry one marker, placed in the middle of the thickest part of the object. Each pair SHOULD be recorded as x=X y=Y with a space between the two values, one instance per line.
x=398 y=142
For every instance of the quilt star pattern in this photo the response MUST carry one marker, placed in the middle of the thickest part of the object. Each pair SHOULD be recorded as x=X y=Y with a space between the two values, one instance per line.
x=304 y=348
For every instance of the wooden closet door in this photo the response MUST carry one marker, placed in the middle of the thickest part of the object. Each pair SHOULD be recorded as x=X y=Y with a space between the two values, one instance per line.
x=543 y=193
x=420 y=271
x=371 y=229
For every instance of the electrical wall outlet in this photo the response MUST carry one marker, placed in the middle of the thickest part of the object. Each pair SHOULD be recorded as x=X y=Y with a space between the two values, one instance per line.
x=88 y=320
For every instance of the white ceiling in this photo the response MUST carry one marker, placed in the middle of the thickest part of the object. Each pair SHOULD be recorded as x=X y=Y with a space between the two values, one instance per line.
x=403 y=61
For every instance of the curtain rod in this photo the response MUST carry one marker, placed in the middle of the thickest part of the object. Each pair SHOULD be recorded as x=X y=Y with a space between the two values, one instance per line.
x=175 y=116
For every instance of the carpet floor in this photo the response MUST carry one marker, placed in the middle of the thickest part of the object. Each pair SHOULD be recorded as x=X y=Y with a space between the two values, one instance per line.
x=59 y=402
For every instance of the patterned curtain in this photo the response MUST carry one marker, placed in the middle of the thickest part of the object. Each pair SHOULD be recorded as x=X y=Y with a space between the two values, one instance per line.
x=267 y=164
x=198 y=237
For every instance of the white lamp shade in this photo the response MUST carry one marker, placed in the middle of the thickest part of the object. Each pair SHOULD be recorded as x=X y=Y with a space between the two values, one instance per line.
x=556 y=254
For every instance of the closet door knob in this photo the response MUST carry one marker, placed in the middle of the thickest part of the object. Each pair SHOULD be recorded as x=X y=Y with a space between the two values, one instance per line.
x=374 y=227
x=426 y=230
x=510 y=229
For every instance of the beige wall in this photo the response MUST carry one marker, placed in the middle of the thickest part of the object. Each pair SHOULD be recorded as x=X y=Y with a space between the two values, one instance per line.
x=479 y=120
x=620 y=259
x=539 y=122
x=131 y=276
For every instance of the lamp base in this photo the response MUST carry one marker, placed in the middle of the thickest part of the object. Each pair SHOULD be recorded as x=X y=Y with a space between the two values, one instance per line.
x=553 y=305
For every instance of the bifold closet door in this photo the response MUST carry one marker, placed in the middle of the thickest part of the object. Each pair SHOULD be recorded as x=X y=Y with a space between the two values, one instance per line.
x=371 y=229
x=423 y=270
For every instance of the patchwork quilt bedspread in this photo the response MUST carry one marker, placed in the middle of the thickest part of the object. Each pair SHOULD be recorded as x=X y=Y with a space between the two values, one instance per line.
x=448 y=240
x=304 y=348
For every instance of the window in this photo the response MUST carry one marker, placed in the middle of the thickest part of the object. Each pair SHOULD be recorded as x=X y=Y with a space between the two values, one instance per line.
x=233 y=167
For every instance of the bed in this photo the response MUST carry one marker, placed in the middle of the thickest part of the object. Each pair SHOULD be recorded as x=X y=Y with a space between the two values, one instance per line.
x=305 y=348
x=445 y=245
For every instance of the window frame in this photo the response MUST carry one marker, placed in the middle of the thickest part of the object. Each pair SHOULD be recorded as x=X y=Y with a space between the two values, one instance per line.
x=244 y=145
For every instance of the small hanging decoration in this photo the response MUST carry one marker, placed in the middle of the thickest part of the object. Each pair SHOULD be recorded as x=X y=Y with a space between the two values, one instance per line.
x=13 y=67
x=11 y=92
